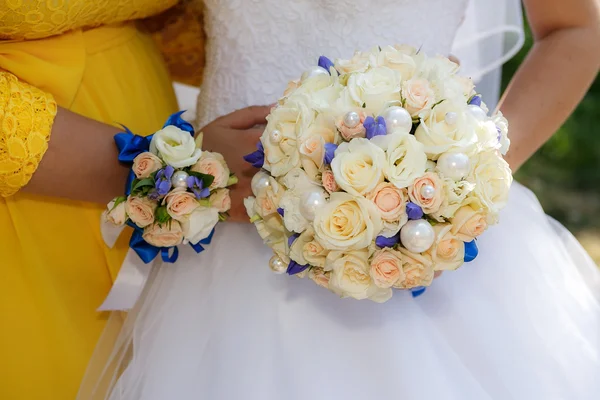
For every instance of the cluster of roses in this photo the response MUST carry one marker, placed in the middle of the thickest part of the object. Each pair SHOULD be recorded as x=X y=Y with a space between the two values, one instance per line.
x=378 y=171
x=179 y=192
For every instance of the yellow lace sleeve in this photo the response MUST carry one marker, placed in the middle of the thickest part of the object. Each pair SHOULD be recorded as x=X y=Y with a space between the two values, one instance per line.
x=26 y=117
x=179 y=34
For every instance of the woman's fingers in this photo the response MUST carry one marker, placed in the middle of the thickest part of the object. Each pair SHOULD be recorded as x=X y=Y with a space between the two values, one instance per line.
x=245 y=118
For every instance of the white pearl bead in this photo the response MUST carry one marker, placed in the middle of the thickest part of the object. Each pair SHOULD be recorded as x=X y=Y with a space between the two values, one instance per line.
x=314 y=71
x=179 y=179
x=417 y=235
x=427 y=191
x=260 y=182
x=352 y=119
x=477 y=112
x=454 y=165
x=275 y=136
x=451 y=118
x=310 y=202
x=397 y=120
x=277 y=265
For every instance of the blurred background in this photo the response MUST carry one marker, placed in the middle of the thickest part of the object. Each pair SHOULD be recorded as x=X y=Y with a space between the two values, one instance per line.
x=565 y=172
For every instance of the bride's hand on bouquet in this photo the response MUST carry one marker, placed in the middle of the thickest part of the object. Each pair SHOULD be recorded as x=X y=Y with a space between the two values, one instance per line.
x=234 y=135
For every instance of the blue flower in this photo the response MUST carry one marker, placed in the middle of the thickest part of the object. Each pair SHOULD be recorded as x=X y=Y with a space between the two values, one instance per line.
x=382 y=241
x=295 y=268
x=280 y=211
x=475 y=100
x=374 y=127
x=196 y=185
x=330 y=149
x=292 y=239
x=257 y=158
x=326 y=63
x=413 y=211
x=162 y=181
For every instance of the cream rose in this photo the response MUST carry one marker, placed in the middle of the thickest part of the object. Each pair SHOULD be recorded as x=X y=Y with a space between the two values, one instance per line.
x=347 y=222
x=358 y=63
x=418 y=95
x=175 y=146
x=306 y=250
x=268 y=199
x=328 y=181
x=145 y=164
x=320 y=277
x=213 y=164
x=313 y=147
x=397 y=58
x=492 y=178
x=140 y=210
x=291 y=87
x=220 y=200
x=200 y=224
x=116 y=215
x=405 y=158
x=386 y=267
x=375 y=88
x=455 y=196
x=439 y=136
x=180 y=203
x=390 y=201
x=468 y=223
x=358 y=166
x=163 y=235
x=417 y=192
x=502 y=130
x=448 y=251
x=417 y=268
x=350 y=278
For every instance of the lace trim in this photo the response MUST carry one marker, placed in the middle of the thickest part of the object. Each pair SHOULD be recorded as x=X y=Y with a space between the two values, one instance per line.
x=26 y=117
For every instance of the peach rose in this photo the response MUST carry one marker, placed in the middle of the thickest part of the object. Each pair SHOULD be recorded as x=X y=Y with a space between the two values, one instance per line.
x=213 y=164
x=390 y=201
x=220 y=200
x=145 y=164
x=164 y=235
x=448 y=251
x=429 y=202
x=180 y=203
x=329 y=182
x=386 y=267
x=418 y=95
x=320 y=277
x=417 y=268
x=140 y=210
x=116 y=214
x=467 y=223
x=313 y=147
x=349 y=133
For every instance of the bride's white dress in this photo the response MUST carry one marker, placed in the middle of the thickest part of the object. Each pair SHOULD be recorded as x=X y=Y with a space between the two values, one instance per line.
x=520 y=322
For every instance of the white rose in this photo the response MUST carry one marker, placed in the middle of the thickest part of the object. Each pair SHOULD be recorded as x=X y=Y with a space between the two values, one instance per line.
x=502 y=130
x=358 y=63
x=116 y=214
x=200 y=224
x=454 y=197
x=297 y=182
x=320 y=91
x=350 y=277
x=375 y=88
x=405 y=158
x=347 y=222
x=175 y=146
x=397 y=58
x=358 y=166
x=305 y=250
x=492 y=178
x=438 y=136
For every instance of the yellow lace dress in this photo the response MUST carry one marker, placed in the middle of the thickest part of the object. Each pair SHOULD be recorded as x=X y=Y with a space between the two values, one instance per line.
x=91 y=57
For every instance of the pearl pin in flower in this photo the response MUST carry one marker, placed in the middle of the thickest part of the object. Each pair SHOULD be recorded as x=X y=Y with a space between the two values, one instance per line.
x=397 y=120
x=179 y=179
x=310 y=202
x=275 y=136
x=259 y=183
x=427 y=192
x=417 y=235
x=454 y=165
x=313 y=71
x=352 y=119
x=277 y=265
x=451 y=118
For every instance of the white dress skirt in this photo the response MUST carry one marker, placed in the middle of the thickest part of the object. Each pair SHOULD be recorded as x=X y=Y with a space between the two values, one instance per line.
x=522 y=321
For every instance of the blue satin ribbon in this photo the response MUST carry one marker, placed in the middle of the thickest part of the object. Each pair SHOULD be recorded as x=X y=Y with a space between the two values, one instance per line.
x=419 y=290
x=198 y=246
x=471 y=251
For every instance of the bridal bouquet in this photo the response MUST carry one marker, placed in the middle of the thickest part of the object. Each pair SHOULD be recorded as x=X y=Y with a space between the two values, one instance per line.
x=377 y=172
x=176 y=193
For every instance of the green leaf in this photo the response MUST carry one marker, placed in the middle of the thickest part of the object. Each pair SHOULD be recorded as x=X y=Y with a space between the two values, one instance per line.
x=433 y=106
x=162 y=216
x=364 y=105
x=232 y=180
x=119 y=200
x=207 y=180
x=142 y=183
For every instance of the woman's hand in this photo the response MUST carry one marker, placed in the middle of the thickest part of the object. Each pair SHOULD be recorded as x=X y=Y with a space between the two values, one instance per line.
x=235 y=135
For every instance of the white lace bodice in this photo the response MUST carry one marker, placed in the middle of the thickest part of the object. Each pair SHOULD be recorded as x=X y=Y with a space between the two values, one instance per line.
x=256 y=46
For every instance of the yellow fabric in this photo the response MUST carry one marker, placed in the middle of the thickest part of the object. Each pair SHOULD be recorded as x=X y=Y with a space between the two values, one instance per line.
x=26 y=116
x=55 y=268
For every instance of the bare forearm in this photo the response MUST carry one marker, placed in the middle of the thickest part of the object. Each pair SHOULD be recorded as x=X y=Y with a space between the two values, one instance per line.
x=81 y=161
x=547 y=87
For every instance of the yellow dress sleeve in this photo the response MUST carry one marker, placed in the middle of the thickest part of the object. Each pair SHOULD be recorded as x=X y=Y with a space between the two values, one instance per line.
x=26 y=117
x=179 y=34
